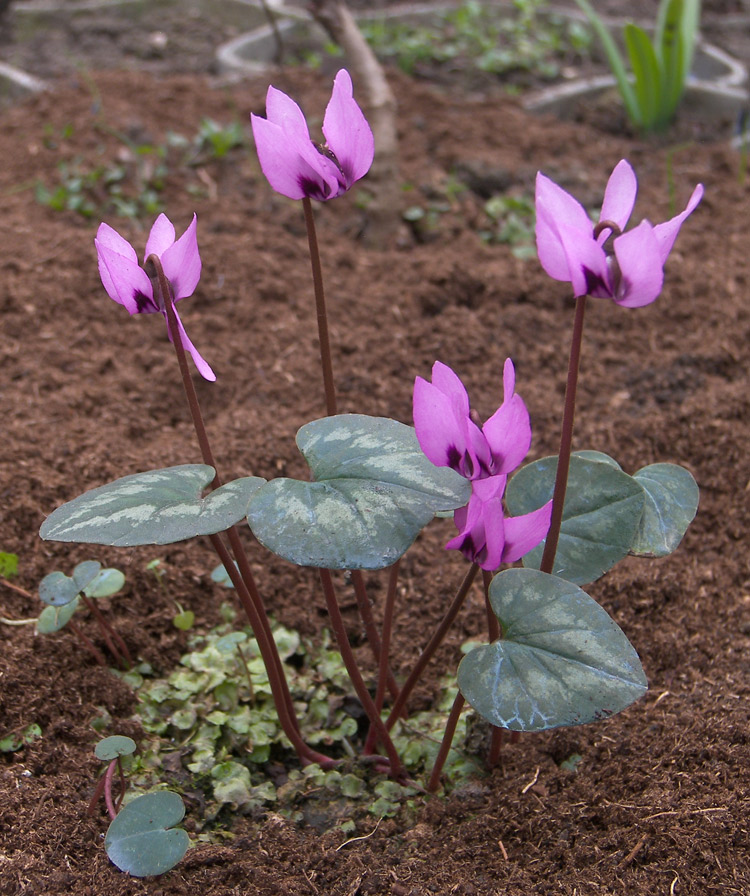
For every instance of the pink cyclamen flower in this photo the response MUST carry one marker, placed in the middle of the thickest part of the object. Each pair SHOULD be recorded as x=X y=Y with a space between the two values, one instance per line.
x=572 y=249
x=297 y=167
x=484 y=455
x=128 y=284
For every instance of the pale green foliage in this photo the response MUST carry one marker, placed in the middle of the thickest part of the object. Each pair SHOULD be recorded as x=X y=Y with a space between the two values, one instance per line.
x=225 y=725
x=482 y=37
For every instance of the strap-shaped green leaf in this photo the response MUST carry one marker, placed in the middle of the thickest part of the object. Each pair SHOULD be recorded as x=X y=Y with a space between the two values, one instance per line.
x=615 y=62
x=142 y=839
x=158 y=507
x=374 y=490
x=648 y=84
x=672 y=497
x=562 y=659
x=602 y=510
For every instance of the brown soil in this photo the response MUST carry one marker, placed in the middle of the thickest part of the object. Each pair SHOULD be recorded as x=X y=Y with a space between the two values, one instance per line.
x=659 y=803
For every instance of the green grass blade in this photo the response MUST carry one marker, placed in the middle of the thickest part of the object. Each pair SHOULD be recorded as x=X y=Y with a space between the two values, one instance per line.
x=615 y=62
x=648 y=77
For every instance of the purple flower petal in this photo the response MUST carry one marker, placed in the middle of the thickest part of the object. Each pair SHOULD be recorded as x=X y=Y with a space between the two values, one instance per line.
x=292 y=166
x=619 y=197
x=588 y=271
x=481 y=537
x=182 y=262
x=124 y=281
x=444 y=432
x=524 y=533
x=641 y=271
x=203 y=368
x=666 y=233
x=347 y=132
x=508 y=431
x=160 y=238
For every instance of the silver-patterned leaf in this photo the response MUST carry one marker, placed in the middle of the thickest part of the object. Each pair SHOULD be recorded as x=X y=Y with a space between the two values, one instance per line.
x=373 y=491
x=562 y=660
x=158 y=507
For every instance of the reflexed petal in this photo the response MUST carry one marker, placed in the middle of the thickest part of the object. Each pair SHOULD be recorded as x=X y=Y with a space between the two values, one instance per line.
x=641 y=274
x=203 y=368
x=347 y=132
x=281 y=110
x=293 y=168
x=109 y=237
x=666 y=233
x=161 y=237
x=524 y=533
x=182 y=262
x=448 y=382
x=587 y=263
x=556 y=211
x=481 y=536
x=441 y=432
x=619 y=197
x=508 y=433
x=124 y=281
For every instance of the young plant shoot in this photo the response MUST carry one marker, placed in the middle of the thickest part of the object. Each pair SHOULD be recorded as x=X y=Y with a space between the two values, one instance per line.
x=553 y=657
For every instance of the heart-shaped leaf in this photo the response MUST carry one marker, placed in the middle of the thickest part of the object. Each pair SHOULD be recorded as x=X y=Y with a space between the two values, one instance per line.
x=105 y=583
x=56 y=589
x=602 y=511
x=561 y=661
x=112 y=747
x=374 y=490
x=671 y=504
x=158 y=507
x=142 y=839
x=52 y=619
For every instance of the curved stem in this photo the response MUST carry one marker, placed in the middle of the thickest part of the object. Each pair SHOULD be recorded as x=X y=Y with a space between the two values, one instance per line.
x=320 y=306
x=494 y=632
x=373 y=639
x=108 y=633
x=566 y=441
x=432 y=646
x=243 y=581
x=108 y=775
x=445 y=746
x=87 y=643
x=350 y=661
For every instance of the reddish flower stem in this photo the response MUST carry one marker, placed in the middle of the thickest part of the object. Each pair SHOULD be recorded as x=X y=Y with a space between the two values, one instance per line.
x=244 y=582
x=320 y=306
x=432 y=646
x=494 y=632
x=108 y=775
x=119 y=652
x=445 y=746
x=373 y=639
x=355 y=675
x=566 y=440
x=87 y=643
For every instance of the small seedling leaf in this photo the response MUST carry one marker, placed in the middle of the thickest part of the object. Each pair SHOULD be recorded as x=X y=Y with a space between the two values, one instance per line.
x=562 y=659
x=105 y=583
x=671 y=504
x=112 y=747
x=158 y=507
x=142 y=839
x=56 y=589
x=8 y=565
x=9 y=743
x=52 y=619
x=373 y=491
x=603 y=507
x=184 y=621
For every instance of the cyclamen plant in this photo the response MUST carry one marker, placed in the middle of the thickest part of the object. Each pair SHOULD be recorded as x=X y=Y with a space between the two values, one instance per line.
x=554 y=656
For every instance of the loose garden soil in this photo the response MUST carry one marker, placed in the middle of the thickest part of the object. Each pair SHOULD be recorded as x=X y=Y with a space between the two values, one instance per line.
x=660 y=800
